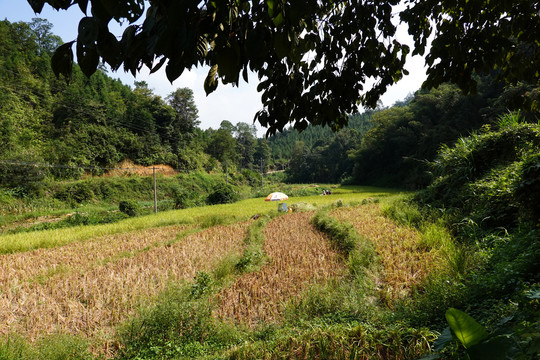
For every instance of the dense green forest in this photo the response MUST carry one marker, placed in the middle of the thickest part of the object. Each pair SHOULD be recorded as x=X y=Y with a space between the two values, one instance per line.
x=97 y=122
x=88 y=124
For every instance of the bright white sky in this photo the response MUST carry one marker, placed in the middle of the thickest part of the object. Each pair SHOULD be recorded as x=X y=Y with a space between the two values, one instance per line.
x=236 y=104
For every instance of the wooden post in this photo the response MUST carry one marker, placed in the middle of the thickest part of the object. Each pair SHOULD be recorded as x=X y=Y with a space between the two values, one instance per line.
x=262 y=181
x=155 y=190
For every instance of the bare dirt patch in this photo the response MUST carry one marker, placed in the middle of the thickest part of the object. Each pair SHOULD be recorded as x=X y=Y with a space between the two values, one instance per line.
x=128 y=168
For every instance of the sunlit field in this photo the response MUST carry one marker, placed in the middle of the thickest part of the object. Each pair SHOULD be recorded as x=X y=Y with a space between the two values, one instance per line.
x=87 y=280
x=239 y=211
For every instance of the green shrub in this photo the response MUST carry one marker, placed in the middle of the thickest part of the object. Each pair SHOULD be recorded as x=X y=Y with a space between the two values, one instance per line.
x=490 y=178
x=528 y=188
x=223 y=194
x=129 y=207
x=184 y=198
x=252 y=178
x=76 y=192
x=21 y=178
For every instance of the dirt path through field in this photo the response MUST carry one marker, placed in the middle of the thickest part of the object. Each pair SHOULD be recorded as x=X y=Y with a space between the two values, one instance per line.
x=298 y=255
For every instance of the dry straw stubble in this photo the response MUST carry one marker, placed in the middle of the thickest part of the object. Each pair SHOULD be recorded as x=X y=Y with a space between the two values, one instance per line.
x=404 y=265
x=298 y=255
x=95 y=295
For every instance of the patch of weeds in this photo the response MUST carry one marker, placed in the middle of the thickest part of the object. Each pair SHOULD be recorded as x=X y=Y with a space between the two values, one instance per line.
x=214 y=220
x=14 y=347
x=339 y=342
x=50 y=272
x=51 y=347
x=404 y=213
x=428 y=302
x=302 y=206
x=337 y=301
x=202 y=284
x=225 y=268
x=253 y=256
x=62 y=347
x=179 y=326
x=180 y=236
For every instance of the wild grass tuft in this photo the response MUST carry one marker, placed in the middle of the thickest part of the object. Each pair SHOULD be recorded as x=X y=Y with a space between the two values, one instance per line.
x=207 y=221
x=359 y=251
x=14 y=347
x=51 y=347
x=403 y=212
x=434 y=236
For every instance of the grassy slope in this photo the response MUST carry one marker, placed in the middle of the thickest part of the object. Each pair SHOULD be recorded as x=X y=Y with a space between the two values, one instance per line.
x=234 y=212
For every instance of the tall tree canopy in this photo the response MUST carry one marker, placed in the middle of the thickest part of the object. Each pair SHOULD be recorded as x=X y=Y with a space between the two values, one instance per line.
x=313 y=58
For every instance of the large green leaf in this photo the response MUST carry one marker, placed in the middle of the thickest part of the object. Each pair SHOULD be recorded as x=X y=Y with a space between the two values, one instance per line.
x=467 y=330
x=174 y=69
x=83 y=5
x=211 y=81
x=88 y=58
x=497 y=348
x=60 y=4
x=88 y=30
x=110 y=49
x=62 y=60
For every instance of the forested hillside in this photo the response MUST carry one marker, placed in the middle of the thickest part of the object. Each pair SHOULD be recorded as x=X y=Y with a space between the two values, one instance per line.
x=85 y=124
x=92 y=122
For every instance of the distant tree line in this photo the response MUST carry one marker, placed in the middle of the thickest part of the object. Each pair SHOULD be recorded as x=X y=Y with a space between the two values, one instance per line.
x=393 y=146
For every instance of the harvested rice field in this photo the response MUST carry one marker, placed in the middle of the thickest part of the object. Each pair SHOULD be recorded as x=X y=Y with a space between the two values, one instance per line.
x=87 y=288
x=92 y=287
x=404 y=262
x=298 y=255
